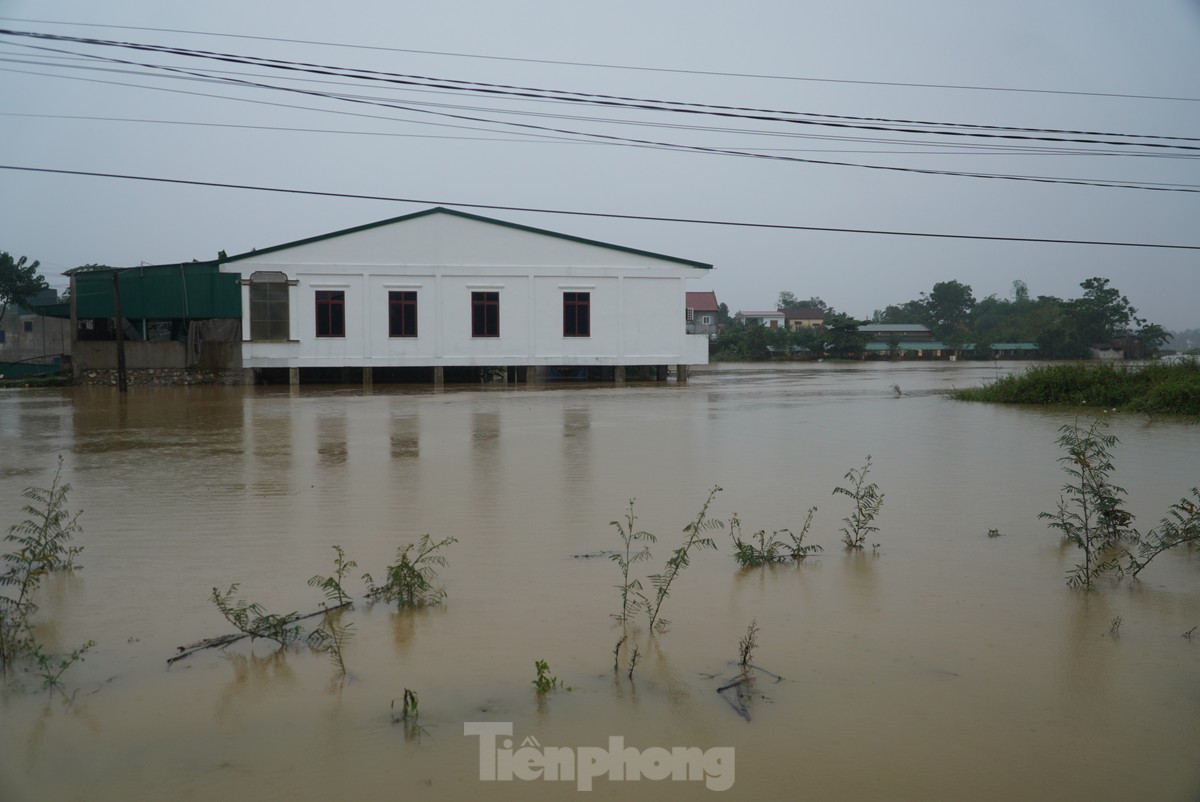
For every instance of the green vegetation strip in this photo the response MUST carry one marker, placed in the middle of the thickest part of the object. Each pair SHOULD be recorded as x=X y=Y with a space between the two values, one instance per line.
x=1166 y=389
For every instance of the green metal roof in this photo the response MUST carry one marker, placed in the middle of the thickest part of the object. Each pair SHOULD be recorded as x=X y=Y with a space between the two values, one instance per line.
x=938 y=346
x=924 y=345
x=188 y=290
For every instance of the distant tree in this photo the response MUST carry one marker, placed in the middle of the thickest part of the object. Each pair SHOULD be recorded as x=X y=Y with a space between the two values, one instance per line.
x=1020 y=291
x=909 y=312
x=1103 y=313
x=18 y=281
x=842 y=338
x=1153 y=337
x=808 y=339
x=788 y=300
x=723 y=317
x=948 y=307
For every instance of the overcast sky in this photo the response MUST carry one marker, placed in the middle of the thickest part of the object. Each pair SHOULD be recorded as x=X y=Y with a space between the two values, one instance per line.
x=1109 y=67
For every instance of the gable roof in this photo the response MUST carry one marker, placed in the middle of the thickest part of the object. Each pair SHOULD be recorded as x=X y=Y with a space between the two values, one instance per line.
x=703 y=301
x=804 y=313
x=479 y=218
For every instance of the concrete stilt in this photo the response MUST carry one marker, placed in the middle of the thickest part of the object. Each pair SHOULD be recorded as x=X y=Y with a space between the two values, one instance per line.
x=681 y=374
x=439 y=377
x=294 y=376
x=619 y=374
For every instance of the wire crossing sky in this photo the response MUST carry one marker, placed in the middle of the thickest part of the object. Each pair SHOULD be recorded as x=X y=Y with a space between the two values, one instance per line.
x=979 y=143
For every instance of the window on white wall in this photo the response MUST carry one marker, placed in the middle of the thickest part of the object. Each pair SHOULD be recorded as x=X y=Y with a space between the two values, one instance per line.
x=269 y=311
x=402 y=313
x=485 y=314
x=577 y=314
x=331 y=313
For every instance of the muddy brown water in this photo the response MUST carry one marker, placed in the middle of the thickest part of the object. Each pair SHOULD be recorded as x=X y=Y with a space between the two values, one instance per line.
x=946 y=665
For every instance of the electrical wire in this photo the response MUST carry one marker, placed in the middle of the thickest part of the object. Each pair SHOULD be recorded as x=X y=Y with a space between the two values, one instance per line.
x=600 y=65
x=1111 y=184
x=607 y=215
x=959 y=148
x=523 y=92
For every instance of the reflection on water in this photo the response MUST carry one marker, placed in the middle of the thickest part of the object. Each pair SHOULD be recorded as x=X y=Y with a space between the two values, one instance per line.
x=947 y=665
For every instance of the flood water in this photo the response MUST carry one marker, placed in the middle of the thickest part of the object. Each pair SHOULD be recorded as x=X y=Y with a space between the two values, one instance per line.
x=944 y=665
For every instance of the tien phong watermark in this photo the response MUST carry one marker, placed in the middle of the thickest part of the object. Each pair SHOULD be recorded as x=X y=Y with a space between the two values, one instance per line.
x=500 y=761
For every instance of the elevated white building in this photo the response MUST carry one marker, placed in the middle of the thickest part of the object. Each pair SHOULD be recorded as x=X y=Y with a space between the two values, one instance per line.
x=458 y=295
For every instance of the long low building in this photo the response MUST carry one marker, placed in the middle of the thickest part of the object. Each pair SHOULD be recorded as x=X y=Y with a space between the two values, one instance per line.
x=436 y=295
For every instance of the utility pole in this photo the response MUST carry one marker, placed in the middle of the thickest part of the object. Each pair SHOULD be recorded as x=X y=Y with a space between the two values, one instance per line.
x=122 y=381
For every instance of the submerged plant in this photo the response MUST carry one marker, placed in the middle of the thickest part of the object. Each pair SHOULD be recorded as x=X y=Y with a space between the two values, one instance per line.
x=1180 y=527
x=617 y=652
x=696 y=539
x=632 y=597
x=758 y=548
x=42 y=544
x=747 y=645
x=799 y=550
x=254 y=621
x=51 y=668
x=1089 y=512
x=335 y=594
x=331 y=637
x=45 y=536
x=410 y=580
x=867 y=503
x=408 y=716
x=633 y=661
x=543 y=681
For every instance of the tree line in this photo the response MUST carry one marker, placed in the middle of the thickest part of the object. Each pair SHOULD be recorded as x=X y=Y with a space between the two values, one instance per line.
x=1061 y=328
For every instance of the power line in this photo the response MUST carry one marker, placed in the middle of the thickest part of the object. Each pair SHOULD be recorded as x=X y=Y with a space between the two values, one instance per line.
x=975 y=150
x=958 y=148
x=636 y=68
x=613 y=139
x=607 y=215
x=619 y=101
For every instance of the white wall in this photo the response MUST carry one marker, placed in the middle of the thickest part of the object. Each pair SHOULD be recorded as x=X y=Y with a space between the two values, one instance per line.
x=637 y=301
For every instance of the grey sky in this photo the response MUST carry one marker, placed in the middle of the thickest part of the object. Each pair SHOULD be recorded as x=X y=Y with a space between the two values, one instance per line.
x=1085 y=46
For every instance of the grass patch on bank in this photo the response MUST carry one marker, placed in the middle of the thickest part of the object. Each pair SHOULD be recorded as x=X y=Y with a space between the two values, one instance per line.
x=1155 y=388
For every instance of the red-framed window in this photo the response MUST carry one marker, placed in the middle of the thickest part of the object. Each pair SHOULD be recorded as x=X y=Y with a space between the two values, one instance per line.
x=577 y=314
x=485 y=314
x=402 y=313
x=331 y=313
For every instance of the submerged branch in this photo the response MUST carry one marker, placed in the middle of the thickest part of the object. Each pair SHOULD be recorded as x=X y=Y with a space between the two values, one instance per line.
x=737 y=700
x=220 y=641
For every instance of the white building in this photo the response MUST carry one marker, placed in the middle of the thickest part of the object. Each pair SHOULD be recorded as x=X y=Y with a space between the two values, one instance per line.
x=772 y=320
x=447 y=290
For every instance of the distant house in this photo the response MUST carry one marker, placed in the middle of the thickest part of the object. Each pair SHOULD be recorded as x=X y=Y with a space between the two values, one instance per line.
x=803 y=318
x=703 y=313
x=915 y=341
x=446 y=295
x=905 y=332
x=772 y=320
x=32 y=340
